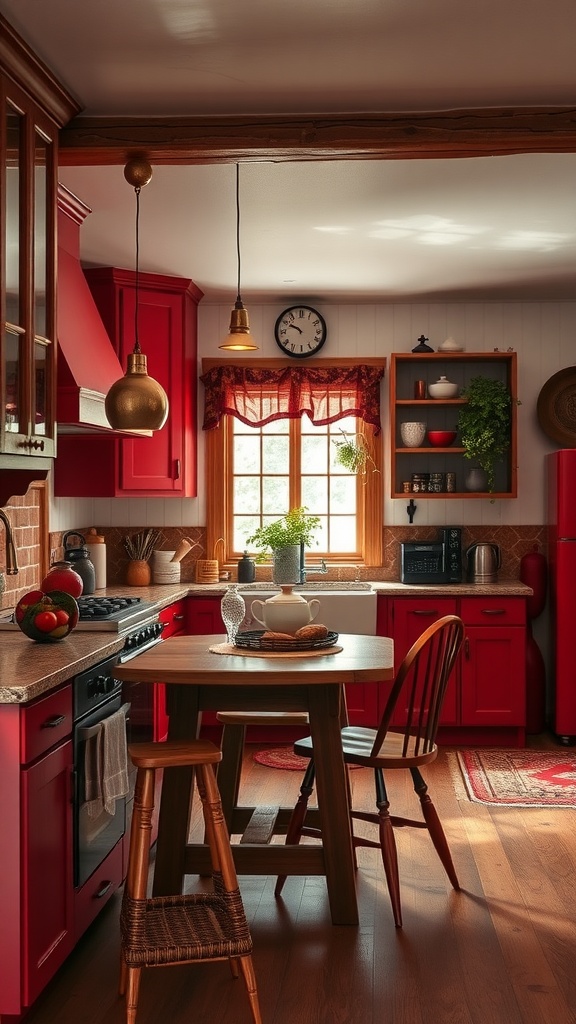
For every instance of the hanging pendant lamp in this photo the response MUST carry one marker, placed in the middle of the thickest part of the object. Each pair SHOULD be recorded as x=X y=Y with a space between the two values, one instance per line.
x=137 y=401
x=238 y=338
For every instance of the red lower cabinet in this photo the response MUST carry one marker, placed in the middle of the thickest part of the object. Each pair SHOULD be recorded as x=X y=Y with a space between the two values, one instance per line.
x=408 y=618
x=486 y=696
x=47 y=881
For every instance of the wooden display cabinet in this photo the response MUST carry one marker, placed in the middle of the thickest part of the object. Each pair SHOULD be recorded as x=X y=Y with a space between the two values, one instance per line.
x=442 y=414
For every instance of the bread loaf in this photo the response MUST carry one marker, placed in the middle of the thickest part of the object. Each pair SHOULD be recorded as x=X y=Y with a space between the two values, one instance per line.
x=271 y=635
x=315 y=631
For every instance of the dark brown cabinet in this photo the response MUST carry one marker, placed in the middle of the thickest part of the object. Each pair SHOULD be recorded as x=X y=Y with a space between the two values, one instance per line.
x=442 y=414
x=32 y=108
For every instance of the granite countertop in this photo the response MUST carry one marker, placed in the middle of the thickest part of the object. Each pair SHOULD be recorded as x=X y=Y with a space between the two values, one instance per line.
x=29 y=669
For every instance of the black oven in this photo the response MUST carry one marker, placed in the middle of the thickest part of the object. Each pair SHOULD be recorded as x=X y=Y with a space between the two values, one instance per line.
x=97 y=696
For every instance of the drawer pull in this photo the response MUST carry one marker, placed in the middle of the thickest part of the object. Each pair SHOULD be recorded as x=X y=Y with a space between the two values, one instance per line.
x=493 y=611
x=54 y=722
x=177 y=618
x=101 y=892
x=467 y=648
x=425 y=611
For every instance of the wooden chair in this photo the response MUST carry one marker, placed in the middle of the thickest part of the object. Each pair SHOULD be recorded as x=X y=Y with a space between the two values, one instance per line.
x=416 y=699
x=165 y=930
x=232 y=744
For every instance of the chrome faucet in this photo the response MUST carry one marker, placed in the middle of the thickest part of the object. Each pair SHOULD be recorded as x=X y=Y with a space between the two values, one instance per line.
x=322 y=568
x=11 y=560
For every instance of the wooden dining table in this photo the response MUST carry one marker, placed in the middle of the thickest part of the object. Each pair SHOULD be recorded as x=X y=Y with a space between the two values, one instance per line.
x=204 y=673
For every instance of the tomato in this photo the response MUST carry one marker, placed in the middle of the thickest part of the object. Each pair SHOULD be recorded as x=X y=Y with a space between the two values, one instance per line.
x=32 y=597
x=46 y=621
x=61 y=616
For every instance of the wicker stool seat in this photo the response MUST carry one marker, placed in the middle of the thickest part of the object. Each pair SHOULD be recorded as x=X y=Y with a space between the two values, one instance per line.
x=162 y=930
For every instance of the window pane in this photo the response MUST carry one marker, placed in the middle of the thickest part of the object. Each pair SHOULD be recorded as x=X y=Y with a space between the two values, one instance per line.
x=315 y=453
x=343 y=533
x=244 y=526
x=40 y=235
x=275 y=454
x=315 y=494
x=246 y=495
x=12 y=215
x=276 y=427
x=343 y=493
x=275 y=495
x=247 y=454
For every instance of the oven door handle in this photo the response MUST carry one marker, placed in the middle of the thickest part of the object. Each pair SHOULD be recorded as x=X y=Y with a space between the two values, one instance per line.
x=87 y=732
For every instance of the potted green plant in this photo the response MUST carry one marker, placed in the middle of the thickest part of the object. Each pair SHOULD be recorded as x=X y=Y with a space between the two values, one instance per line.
x=353 y=453
x=284 y=538
x=484 y=424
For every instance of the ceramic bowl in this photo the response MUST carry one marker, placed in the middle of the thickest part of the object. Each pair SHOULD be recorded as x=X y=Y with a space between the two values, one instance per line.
x=441 y=438
x=443 y=388
x=412 y=434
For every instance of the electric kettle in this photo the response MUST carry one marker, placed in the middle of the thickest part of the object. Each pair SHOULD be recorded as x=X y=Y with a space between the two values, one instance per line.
x=482 y=563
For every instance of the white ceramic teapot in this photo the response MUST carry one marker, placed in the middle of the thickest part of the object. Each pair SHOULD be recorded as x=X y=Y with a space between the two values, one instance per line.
x=285 y=612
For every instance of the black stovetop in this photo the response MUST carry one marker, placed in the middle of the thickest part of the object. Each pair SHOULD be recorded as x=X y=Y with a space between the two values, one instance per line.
x=106 y=607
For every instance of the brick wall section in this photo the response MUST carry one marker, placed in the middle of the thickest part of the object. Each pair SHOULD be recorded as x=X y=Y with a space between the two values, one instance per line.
x=23 y=512
x=514 y=542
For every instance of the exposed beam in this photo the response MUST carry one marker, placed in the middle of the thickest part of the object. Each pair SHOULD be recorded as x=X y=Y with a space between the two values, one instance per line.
x=440 y=134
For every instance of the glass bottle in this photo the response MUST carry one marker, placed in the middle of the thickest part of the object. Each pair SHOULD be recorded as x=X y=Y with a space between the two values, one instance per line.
x=232 y=610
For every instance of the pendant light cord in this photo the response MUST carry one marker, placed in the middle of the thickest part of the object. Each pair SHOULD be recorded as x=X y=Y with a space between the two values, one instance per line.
x=137 y=348
x=238 y=299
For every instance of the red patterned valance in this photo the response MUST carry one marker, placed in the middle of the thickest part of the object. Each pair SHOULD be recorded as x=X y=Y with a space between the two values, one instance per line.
x=260 y=395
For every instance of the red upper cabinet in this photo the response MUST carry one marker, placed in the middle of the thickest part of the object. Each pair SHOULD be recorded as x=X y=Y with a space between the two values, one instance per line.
x=165 y=464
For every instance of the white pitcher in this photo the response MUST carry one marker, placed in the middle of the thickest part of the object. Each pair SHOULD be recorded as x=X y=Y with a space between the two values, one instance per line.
x=285 y=612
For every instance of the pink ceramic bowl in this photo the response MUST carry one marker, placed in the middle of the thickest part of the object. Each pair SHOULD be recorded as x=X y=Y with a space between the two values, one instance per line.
x=441 y=438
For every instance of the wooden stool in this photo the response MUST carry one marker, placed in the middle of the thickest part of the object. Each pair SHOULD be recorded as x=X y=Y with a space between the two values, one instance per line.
x=233 y=740
x=166 y=930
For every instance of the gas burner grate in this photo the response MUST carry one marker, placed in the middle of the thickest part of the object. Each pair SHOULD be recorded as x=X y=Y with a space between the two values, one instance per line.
x=103 y=607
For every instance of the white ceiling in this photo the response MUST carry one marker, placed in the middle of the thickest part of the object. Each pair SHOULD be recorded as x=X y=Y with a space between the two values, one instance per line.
x=357 y=231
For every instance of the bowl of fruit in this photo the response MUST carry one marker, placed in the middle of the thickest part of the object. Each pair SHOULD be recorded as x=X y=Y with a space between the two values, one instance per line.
x=46 y=617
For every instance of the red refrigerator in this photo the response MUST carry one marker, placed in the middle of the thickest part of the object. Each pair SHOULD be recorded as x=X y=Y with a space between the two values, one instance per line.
x=561 y=488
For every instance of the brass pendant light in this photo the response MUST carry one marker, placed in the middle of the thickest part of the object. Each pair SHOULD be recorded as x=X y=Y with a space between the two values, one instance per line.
x=238 y=338
x=137 y=401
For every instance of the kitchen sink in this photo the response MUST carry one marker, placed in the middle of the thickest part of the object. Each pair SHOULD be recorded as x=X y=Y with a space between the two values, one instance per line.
x=344 y=607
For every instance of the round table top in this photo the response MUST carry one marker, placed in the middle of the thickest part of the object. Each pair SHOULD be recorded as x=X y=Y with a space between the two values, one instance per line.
x=188 y=659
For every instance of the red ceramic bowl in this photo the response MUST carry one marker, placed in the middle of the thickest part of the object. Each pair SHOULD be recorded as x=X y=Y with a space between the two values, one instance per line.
x=441 y=438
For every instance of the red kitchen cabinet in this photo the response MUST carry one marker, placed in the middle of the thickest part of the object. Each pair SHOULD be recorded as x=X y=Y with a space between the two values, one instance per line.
x=36 y=882
x=493 y=666
x=408 y=618
x=203 y=616
x=165 y=464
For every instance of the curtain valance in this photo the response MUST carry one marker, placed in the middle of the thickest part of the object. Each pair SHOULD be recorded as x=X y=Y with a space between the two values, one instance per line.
x=258 y=395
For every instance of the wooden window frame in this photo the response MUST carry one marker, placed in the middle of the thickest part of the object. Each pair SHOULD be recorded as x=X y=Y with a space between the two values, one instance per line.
x=218 y=470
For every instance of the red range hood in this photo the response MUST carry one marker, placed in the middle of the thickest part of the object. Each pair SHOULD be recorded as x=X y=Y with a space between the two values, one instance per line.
x=87 y=362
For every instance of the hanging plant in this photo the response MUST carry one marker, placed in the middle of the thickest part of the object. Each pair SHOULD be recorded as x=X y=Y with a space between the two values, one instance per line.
x=484 y=423
x=353 y=453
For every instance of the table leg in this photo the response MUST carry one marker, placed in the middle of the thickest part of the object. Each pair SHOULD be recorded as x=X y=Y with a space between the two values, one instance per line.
x=174 y=818
x=333 y=802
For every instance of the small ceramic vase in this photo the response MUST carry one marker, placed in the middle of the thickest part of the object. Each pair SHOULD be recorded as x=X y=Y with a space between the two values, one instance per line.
x=412 y=434
x=138 y=573
x=476 y=479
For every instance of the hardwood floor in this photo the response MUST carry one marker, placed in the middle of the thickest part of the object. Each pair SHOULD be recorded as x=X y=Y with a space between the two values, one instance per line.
x=500 y=951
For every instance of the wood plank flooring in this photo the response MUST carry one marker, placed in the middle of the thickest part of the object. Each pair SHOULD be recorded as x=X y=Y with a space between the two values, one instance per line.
x=501 y=951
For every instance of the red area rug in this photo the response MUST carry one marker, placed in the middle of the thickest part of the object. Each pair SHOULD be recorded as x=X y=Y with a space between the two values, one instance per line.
x=520 y=778
x=284 y=758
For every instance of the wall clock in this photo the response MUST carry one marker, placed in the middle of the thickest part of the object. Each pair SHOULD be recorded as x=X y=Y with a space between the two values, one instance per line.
x=300 y=331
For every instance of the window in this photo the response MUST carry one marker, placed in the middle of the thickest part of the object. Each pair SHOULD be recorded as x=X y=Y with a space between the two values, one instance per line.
x=269 y=447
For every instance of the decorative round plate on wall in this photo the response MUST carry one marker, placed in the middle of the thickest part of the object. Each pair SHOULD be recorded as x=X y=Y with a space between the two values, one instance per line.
x=556 y=408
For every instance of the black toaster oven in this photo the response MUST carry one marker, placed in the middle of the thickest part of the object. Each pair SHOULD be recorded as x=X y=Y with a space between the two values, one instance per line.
x=433 y=561
x=423 y=562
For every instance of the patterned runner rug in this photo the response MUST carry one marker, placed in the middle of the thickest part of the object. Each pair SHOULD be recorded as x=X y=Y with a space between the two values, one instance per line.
x=519 y=778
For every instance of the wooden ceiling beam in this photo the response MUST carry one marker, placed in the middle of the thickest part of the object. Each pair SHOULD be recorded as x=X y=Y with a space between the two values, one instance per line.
x=440 y=134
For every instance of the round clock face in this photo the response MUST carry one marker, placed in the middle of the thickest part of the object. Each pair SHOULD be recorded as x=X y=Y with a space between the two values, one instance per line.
x=300 y=331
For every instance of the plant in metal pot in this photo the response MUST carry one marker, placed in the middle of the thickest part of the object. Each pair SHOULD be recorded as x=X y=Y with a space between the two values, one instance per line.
x=485 y=423
x=296 y=527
